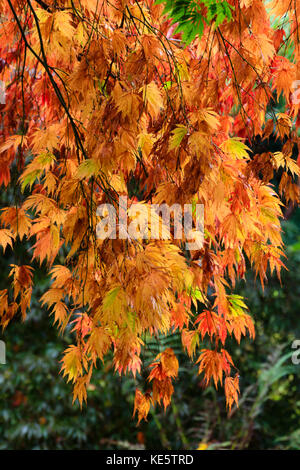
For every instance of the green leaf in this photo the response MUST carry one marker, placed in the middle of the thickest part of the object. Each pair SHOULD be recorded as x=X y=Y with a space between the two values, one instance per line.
x=190 y=21
x=110 y=297
x=177 y=137
x=87 y=169
x=30 y=178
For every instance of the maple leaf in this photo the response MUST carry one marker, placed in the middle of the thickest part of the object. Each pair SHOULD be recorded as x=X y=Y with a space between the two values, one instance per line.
x=153 y=99
x=238 y=321
x=190 y=340
x=12 y=142
x=62 y=21
x=47 y=244
x=17 y=220
x=283 y=125
x=61 y=275
x=209 y=323
x=180 y=315
x=40 y=164
x=178 y=135
x=83 y=324
x=80 y=390
x=210 y=117
x=99 y=342
x=73 y=363
x=61 y=316
x=6 y=238
x=236 y=148
x=142 y=405
x=284 y=76
x=162 y=390
x=128 y=103
x=52 y=296
x=3 y=302
x=231 y=386
x=118 y=42
x=87 y=169
x=169 y=362
x=214 y=364
x=22 y=278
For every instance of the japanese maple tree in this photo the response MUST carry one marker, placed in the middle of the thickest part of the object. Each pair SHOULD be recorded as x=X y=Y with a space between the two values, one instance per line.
x=104 y=95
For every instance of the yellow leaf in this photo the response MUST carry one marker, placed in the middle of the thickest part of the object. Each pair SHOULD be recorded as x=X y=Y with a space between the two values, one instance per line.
x=177 y=136
x=236 y=148
x=153 y=99
x=87 y=168
x=72 y=363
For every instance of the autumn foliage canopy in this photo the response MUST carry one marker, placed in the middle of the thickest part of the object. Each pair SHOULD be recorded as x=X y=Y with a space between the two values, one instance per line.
x=104 y=98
